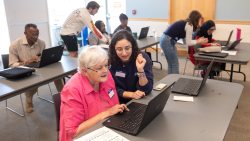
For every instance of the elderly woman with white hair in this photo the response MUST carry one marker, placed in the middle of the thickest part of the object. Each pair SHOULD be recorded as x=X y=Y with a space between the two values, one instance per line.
x=89 y=96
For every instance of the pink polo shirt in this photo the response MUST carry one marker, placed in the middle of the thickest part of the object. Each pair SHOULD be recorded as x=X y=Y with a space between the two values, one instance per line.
x=79 y=102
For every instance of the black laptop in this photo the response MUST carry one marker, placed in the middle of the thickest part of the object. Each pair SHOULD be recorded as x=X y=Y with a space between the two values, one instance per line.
x=232 y=46
x=225 y=43
x=189 y=86
x=49 y=56
x=214 y=54
x=139 y=115
x=144 y=32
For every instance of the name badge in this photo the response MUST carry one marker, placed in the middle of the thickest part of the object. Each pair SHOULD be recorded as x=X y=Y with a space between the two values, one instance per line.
x=120 y=74
x=111 y=93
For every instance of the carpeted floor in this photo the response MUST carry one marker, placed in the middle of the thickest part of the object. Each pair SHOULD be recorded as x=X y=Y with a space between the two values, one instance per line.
x=41 y=124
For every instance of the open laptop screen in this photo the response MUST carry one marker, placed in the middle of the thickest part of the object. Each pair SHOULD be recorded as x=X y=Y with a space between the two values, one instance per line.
x=143 y=33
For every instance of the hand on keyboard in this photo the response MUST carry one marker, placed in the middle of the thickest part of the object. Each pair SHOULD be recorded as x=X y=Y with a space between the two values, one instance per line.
x=118 y=108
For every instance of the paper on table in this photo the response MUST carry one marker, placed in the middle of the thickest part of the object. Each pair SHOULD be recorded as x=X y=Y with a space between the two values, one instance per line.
x=184 y=98
x=230 y=52
x=103 y=134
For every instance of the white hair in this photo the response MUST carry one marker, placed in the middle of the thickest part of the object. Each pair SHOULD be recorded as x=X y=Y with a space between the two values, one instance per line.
x=90 y=56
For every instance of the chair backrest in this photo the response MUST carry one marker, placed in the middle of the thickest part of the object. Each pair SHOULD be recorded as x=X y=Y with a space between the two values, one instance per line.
x=57 y=102
x=5 y=60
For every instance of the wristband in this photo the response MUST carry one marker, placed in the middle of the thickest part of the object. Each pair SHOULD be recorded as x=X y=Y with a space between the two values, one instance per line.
x=141 y=74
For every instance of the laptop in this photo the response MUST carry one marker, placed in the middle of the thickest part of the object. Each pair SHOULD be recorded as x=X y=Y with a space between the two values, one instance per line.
x=139 y=115
x=144 y=32
x=214 y=54
x=189 y=86
x=49 y=56
x=232 y=46
x=225 y=43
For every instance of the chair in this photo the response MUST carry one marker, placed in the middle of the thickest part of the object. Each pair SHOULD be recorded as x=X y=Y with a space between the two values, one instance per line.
x=57 y=101
x=192 y=50
x=5 y=61
x=197 y=65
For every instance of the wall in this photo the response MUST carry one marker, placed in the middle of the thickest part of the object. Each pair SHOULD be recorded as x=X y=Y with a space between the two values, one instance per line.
x=21 y=12
x=148 y=8
x=232 y=10
x=225 y=15
x=5 y=40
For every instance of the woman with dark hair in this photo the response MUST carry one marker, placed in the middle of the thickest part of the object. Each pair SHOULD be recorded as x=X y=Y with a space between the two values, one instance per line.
x=93 y=39
x=182 y=29
x=130 y=68
x=206 y=31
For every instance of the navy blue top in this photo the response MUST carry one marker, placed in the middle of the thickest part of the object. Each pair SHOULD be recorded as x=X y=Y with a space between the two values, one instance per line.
x=177 y=30
x=126 y=79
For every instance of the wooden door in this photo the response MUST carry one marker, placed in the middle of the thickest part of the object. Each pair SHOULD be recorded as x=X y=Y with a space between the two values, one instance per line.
x=179 y=9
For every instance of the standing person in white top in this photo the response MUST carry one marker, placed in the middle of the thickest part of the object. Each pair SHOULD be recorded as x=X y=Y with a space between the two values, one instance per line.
x=76 y=21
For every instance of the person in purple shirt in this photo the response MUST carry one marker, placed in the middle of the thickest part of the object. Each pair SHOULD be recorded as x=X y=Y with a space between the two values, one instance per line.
x=130 y=68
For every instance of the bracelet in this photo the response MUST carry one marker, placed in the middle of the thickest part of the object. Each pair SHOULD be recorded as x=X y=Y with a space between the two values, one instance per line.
x=141 y=74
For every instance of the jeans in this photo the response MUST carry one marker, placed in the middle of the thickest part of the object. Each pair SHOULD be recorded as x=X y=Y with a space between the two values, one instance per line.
x=168 y=46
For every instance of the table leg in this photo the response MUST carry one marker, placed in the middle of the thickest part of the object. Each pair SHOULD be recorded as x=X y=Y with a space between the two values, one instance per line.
x=157 y=59
x=239 y=71
x=231 y=73
x=244 y=75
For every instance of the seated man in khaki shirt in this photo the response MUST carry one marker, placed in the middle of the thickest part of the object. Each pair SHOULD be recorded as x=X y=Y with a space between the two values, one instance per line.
x=25 y=50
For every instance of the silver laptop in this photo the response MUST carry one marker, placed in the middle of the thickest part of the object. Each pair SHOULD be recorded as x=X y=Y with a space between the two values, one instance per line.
x=49 y=56
x=189 y=86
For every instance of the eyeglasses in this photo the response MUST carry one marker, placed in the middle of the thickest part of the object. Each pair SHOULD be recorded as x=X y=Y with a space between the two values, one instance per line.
x=99 y=68
x=126 y=49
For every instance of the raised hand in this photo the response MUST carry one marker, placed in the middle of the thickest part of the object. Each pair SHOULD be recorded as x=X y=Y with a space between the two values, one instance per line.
x=140 y=63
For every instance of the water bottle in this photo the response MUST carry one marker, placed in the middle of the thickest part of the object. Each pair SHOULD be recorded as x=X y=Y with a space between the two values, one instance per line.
x=238 y=34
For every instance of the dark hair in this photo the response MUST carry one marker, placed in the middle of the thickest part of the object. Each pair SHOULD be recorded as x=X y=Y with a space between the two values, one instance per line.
x=98 y=25
x=93 y=5
x=29 y=25
x=123 y=17
x=114 y=60
x=204 y=28
x=193 y=19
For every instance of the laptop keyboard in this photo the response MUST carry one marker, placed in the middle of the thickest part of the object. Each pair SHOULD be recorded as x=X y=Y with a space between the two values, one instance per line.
x=193 y=86
x=188 y=86
x=132 y=119
x=33 y=65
